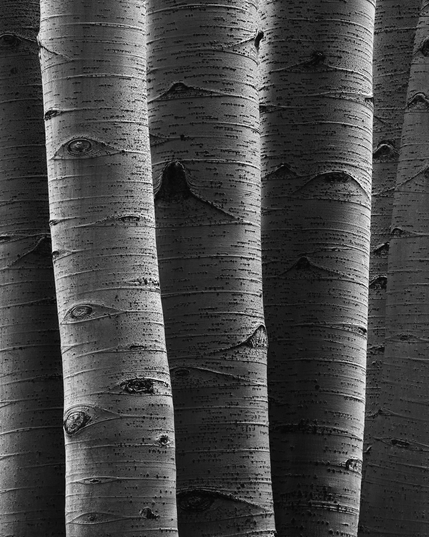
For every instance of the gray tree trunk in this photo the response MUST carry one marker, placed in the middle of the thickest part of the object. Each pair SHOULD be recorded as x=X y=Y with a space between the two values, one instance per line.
x=31 y=397
x=316 y=137
x=118 y=412
x=203 y=110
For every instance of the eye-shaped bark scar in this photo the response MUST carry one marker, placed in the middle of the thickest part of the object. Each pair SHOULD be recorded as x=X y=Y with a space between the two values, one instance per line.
x=84 y=147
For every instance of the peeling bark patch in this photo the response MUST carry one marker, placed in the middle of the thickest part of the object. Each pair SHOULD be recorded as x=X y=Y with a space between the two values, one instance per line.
x=385 y=150
x=378 y=283
x=259 y=339
x=258 y=39
x=174 y=185
x=75 y=421
x=195 y=500
x=79 y=146
x=138 y=385
x=147 y=513
x=9 y=41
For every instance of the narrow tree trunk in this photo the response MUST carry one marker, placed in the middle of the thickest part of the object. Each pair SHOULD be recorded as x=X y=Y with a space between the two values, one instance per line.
x=118 y=415
x=32 y=446
x=397 y=495
x=395 y=26
x=203 y=109
x=316 y=125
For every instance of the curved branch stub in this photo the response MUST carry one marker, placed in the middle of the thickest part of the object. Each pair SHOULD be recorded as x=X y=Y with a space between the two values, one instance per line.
x=259 y=339
x=174 y=183
x=385 y=150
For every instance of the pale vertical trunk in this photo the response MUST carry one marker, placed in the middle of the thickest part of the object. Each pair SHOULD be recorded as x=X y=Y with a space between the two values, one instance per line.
x=203 y=109
x=32 y=447
x=395 y=26
x=316 y=126
x=397 y=495
x=118 y=415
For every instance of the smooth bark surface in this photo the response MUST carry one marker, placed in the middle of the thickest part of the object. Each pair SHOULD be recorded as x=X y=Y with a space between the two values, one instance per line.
x=398 y=490
x=118 y=414
x=316 y=125
x=395 y=27
x=31 y=398
x=203 y=110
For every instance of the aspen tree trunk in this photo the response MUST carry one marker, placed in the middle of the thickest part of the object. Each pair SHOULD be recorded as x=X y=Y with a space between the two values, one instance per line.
x=32 y=446
x=316 y=124
x=118 y=415
x=397 y=495
x=395 y=26
x=203 y=110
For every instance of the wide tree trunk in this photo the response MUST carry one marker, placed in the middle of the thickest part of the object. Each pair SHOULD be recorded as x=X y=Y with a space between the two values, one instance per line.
x=395 y=26
x=31 y=395
x=398 y=491
x=316 y=127
x=203 y=110
x=118 y=414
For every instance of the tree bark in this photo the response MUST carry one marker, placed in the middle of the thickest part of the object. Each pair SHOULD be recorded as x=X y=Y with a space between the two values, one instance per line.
x=316 y=126
x=31 y=398
x=395 y=27
x=397 y=492
x=203 y=110
x=118 y=414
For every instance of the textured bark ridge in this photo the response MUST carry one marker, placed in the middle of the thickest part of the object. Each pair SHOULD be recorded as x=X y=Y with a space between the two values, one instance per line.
x=316 y=123
x=395 y=24
x=118 y=414
x=203 y=111
x=32 y=446
x=395 y=500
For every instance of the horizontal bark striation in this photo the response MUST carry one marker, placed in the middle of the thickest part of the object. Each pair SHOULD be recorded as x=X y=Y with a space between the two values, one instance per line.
x=316 y=122
x=393 y=43
x=118 y=404
x=32 y=446
x=203 y=111
x=397 y=453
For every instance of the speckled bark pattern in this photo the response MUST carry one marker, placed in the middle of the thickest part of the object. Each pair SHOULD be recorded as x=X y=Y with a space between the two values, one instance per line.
x=398 y=469
x=204 y=126
x=32 y=446
x=395 y=27
x=316 y=139
x=118 y=413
